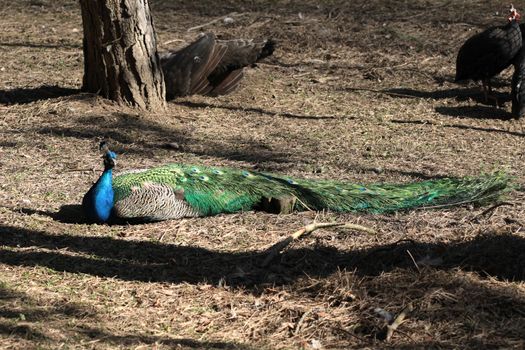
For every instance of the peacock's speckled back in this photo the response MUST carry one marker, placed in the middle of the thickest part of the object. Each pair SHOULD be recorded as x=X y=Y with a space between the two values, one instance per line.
x=177 y=190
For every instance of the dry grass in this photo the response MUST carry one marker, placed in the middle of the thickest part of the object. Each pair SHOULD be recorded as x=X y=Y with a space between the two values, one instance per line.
x=357 y=90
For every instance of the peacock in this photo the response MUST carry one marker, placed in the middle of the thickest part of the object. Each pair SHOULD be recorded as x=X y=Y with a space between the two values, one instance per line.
x=175 y=191
x=209 y=66
x=486 y=54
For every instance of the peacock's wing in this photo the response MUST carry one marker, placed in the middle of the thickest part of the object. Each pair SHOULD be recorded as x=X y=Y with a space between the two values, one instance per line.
x=186 y=71
x=175 y=191
x=239 y=53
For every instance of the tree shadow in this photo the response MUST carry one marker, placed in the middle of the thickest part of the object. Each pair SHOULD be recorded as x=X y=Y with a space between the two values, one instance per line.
x=123 y=127
x=118 y=129
x=500 y=256
x=447 y=297
x=41 y=45
x=20 y=313
x=24 y=317
x=73 y=214
x=23 y=331
x=457 y=93
x=28 y=95
x=460 y=94
x=475 y=112
x=279 y=63
x=133 y=340
x=67 y=214
x=458 y=126
x=259 y=111
x=391 y=273
x=8 y=144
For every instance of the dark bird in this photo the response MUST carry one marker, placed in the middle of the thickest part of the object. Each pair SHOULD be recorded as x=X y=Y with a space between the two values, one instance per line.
x=210 y=66
x=175 y=191
x=518 y=81
x=486 y=54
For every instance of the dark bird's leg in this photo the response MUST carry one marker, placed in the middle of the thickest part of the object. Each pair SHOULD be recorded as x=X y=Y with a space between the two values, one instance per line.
x=484 y=87
x=487 y=92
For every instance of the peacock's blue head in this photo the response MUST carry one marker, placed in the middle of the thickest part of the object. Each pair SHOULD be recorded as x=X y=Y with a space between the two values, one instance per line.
x=98 y=201
x=110 y=157
x=110 y=160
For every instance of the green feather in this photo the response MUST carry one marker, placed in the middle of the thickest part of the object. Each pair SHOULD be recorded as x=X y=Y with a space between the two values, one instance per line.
x=222 y=190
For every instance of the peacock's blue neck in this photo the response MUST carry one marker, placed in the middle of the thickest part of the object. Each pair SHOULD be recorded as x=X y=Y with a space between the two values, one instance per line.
x=99 y=201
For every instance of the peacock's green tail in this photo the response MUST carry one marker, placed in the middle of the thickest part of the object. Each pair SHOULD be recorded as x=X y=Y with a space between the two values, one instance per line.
x=178 y=190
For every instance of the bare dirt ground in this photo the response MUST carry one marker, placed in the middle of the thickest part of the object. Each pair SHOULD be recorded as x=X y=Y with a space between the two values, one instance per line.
x=357 y=90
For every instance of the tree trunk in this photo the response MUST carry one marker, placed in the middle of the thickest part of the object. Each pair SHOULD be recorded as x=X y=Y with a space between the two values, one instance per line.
x=120 y=53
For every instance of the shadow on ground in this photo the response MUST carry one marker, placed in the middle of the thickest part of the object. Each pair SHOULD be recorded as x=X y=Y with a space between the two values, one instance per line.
x=475 y=112
x=479 y=111
x=259 y=111
x=18 y=306
x=28 y=95
x=460 y=94
x=406 y=271
x=23 y=317
x=129 y=133
x=27 y=44
x=501 y=256
x=458 y=126
x=67 y=214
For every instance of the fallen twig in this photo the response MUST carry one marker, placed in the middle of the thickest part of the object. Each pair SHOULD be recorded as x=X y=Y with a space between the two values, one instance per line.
x=414 y=261
x=397 y=322
x=173 y=41
x=301 y=320
x=79 y=170
x=279 y=246
x=394 y=94
x=260 y=23
x=491 y=209
x=303 y=203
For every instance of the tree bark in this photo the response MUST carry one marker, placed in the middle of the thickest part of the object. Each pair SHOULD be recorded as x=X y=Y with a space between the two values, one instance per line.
x=120 y=53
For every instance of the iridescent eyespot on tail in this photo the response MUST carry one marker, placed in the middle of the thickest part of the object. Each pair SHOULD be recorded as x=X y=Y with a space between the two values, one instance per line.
x=204 y=178
x=246 y=173
x=195 y=170
x=217 y=172
x=291 y=181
